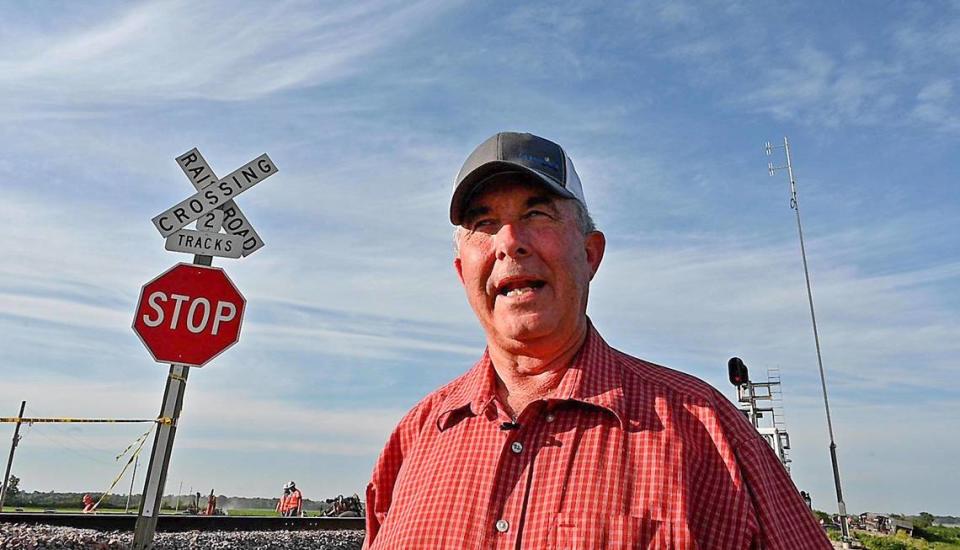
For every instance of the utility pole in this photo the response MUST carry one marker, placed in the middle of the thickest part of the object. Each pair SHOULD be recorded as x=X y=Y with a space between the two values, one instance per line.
x=179 y=492
x=795 y=205
x=13 y=447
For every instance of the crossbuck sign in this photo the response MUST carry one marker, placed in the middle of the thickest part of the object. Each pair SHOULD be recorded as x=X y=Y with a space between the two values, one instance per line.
x=211 y=206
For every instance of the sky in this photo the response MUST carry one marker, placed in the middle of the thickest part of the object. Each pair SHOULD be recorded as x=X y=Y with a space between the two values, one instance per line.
x=354 y=311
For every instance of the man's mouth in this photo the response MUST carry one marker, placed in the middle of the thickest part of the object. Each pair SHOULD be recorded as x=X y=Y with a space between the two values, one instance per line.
x=519 y=287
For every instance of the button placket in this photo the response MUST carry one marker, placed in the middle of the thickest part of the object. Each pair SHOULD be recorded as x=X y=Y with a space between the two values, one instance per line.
x=502 y=526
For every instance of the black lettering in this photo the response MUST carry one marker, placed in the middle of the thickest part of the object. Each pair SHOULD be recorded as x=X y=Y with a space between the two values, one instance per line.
x=211 y=196
x=231 y=226
x=162 y=226
x=181 y=215
x=195 y=205
x=189 y=240
x=251 y=175
x=225 y=187
x=265 y=166
x=243 y=232
x=237 y=182
x=181 y=235
x=188 y=159
x=216 y=244
x=196 y=172
x=249 y=243
x=228 y=245
x=229 y=212
x=206 y=243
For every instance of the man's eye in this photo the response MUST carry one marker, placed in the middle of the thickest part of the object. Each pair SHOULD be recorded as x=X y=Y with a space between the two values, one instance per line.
x=536 y=214
x=479 y=224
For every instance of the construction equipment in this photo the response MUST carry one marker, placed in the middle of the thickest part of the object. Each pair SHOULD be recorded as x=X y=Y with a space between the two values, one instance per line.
x=345 y=507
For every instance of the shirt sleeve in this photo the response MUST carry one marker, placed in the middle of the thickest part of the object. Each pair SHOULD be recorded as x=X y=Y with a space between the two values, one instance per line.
x=784 y=519
x=380 y=489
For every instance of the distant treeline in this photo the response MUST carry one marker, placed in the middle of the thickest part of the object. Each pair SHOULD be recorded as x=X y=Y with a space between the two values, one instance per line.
x=53 y=500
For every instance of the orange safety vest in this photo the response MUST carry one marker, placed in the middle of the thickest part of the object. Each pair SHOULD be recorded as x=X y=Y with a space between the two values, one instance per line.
x=290 y=502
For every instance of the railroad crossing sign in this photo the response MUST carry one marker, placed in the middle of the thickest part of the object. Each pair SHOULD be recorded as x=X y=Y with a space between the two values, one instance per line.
x=189 y=314
x=213 y=195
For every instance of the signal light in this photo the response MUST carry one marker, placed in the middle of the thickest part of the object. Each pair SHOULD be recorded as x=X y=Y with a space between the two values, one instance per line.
x=737 y=371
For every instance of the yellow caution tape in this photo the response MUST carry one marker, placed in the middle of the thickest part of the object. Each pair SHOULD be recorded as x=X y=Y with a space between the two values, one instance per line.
x=139 y=444
x=176 y=376
x=28 y=420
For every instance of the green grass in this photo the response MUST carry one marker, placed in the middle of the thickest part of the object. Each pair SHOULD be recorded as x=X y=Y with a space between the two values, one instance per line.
x=133 y=510
x=929 y=538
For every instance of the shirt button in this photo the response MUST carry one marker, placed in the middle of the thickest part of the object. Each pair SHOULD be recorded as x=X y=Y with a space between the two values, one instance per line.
x=516 y=447
x=502 y=525
x=550 y=417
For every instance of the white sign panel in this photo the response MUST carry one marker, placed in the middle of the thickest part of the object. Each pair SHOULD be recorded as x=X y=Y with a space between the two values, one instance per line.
x=204 y=243
x=215 y=195
x=202 y=176
x=211 y=222
x=196 y=168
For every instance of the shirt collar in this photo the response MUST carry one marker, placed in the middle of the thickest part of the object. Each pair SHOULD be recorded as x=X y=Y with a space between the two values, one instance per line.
x=595 y=377
x=471 y=394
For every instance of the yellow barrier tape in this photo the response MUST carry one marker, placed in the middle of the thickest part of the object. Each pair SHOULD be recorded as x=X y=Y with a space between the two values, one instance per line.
x=28 y=420
x=139 y=443
x=177 y=377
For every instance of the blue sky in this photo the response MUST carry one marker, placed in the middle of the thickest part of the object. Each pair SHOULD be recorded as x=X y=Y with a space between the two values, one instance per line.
x=368 y=109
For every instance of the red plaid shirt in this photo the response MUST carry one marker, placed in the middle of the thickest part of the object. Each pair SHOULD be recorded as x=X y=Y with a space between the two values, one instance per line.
x=627 y=454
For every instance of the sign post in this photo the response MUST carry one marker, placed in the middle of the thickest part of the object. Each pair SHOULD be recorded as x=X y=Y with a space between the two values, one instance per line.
x=191 y=313
x=160 y=458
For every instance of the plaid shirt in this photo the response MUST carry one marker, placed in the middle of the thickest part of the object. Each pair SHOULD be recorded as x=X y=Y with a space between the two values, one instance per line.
x=627 y=454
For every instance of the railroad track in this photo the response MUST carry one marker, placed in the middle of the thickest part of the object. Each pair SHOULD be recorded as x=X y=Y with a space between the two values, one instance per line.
x=175 y=523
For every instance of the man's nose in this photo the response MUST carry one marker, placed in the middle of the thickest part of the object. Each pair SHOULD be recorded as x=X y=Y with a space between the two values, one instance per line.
x=511 y=242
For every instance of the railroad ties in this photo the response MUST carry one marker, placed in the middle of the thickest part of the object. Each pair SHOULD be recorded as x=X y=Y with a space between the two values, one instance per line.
x=178 y=522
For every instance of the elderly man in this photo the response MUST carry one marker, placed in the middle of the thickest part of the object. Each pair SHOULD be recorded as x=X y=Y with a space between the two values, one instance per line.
x=554 y=439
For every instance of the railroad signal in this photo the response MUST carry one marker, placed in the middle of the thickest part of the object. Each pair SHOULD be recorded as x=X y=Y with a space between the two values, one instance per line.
x=737 y=371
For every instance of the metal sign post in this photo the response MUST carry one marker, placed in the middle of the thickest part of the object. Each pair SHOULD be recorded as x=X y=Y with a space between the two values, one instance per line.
x=212 y=207
x=160 y=458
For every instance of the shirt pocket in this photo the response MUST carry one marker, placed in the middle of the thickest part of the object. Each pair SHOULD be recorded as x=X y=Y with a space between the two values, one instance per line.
x=571 y=531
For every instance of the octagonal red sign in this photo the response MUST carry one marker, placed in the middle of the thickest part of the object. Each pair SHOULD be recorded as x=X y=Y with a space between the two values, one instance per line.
x=189 y=314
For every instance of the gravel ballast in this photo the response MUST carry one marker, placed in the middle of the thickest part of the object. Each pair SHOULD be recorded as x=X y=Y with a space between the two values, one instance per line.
x=48 y=537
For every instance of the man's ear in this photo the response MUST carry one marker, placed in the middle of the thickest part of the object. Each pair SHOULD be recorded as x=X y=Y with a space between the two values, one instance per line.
x=595 y=243
x=459 y=267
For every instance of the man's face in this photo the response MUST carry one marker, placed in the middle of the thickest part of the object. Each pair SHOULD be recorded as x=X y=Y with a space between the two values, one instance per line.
x=526 y=266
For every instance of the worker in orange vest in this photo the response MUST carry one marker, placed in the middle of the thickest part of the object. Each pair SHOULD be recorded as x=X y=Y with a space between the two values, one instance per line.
x=291 y=503
x=89 y=505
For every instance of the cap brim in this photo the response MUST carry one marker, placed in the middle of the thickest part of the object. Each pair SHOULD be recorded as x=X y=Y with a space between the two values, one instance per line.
x=468 y=186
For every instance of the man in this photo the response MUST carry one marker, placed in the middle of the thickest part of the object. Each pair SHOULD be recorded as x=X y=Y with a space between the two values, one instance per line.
x=291 y=503
x=89 y=505
x=554 y=439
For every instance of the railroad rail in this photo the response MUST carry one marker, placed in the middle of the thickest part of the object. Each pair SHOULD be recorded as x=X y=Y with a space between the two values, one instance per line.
x=183 y=522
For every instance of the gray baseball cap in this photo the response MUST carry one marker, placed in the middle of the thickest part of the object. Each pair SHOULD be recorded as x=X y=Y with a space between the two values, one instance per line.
x=526 y=154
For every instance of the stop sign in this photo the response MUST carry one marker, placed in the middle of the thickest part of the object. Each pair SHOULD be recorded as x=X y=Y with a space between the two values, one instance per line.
x=189 y=314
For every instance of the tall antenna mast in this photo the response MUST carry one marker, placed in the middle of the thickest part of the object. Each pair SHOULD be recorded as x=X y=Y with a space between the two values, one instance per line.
x=795 y=205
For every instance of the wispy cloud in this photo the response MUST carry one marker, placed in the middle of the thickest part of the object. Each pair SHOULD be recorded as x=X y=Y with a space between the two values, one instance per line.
x=185 y=50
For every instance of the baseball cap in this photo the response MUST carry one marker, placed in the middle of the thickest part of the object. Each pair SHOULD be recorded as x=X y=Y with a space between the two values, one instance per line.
x=523 y=153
